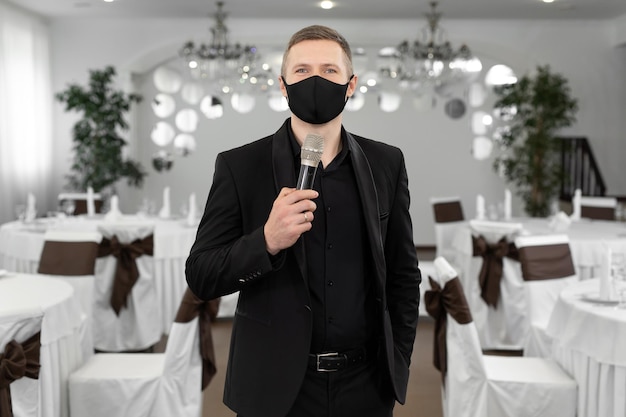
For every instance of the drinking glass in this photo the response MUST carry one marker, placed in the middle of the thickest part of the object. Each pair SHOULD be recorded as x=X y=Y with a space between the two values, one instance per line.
x=68 y=206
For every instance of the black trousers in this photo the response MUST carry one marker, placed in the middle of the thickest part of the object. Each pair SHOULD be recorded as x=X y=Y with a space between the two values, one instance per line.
x=359 y=391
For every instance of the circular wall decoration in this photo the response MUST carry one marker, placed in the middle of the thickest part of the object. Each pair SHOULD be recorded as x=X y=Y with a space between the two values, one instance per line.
x=163 y=105
x=212 y=107
x=481 y=148
x=500 y=75
x=167 y=80
x=162 y=133
x=192 y=92
x=476 y=95
x=184 y=144
x=162 y=161
x=389 y=101
x=455 y=108
x=277 y=102
x=187 y=120
x=242 y=102
x=355 y=102
x=425 y=101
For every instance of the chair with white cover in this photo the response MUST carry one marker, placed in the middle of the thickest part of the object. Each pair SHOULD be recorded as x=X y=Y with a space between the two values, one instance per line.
x=546 y=268
x=491 y=296
x=477 y=385
x=448 y=213
x=599 y=208
x=71 y=256
x=20 y=333
x=151 y=384
x=126 y=313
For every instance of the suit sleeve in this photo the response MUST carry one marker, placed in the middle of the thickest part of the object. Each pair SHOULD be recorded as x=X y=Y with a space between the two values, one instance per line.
x=223 y=259
x=403 y=274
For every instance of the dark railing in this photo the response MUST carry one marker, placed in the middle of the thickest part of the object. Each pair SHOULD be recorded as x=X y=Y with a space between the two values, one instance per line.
x=580 y=169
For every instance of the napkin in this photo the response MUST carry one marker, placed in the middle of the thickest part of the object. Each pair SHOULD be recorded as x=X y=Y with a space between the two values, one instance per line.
x=91 y=204
x=165 y=211
x=606 y=292
x=192 y=214
x=576 y=205
x=507 y=204
x=560 y=222
x=480 y=207
x=114 y=213
x=31 y=209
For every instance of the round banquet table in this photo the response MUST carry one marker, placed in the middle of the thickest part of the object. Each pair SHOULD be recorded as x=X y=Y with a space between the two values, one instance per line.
x=21 y=245
x=590 y=343
x=61 y=348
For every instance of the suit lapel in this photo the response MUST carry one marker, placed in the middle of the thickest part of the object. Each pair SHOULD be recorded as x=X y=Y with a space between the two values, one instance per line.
x=285 y=176
x=369 y=202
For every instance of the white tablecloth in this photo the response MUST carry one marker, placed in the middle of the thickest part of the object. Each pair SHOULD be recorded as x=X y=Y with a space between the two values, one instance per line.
x=61 y=350
x=21 y=244
x=590 y=344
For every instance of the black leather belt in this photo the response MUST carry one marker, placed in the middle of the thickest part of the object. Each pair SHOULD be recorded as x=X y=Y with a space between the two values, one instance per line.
x=336 y=361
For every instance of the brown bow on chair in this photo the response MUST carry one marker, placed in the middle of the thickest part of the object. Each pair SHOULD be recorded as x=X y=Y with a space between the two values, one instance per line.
x=451 y=300
x=126 y=272
x=190 y=308
x=491 y=269
x=17 y=361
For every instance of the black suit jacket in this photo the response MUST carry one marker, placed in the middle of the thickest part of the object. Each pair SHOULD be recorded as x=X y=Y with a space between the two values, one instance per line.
x=272 y=326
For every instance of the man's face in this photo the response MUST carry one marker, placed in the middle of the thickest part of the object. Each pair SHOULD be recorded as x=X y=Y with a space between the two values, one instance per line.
x=316 y=57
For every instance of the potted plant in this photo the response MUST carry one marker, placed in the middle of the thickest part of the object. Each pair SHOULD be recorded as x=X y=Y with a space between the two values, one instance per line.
x=98 y=161
x=534 y=108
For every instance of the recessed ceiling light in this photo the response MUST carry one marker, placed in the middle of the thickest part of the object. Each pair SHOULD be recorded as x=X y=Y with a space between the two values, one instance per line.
x=327 y=4
x=109 y=1
x=548 y=1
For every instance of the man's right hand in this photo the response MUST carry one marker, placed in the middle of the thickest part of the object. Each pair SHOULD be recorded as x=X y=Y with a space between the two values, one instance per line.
x=291 y=215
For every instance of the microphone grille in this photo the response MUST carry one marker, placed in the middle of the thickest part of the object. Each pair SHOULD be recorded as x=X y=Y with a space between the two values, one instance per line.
x=311 y=151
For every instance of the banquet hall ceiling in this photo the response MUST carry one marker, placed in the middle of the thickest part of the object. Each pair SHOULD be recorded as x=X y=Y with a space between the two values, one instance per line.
x=345 y=9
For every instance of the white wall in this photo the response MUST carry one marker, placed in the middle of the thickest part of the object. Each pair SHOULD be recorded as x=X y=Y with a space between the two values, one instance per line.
x=437 y=148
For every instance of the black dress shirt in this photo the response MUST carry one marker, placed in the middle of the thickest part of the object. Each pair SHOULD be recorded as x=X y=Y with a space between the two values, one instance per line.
x=336 y=252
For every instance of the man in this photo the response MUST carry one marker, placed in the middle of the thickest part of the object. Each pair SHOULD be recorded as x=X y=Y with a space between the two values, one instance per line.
x=328 y=278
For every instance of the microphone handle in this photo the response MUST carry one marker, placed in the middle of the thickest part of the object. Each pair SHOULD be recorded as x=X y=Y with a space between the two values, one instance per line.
x=306 y=177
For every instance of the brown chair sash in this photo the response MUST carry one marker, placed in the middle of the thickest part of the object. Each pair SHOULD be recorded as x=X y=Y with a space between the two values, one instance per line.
x=491 y=269
x=68 y=258
x=191 y=307
x=17 y=361
x=80 y=206
x=448 y=212
x=546 y=262
x=598 y=213
x=126 y=272
x=451 y=300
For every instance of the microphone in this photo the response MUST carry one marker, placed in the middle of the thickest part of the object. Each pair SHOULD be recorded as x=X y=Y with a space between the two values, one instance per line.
x=310 y=156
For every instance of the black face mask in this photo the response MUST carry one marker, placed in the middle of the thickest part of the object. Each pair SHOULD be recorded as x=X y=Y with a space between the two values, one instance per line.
x=316 y=100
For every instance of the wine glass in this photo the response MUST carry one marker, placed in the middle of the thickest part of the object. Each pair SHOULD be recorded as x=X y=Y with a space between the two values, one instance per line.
x=68 y=207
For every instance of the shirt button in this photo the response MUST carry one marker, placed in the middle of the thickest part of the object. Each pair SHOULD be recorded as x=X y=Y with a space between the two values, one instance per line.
x=330 y=246
x=330 y=283
x=328 y=209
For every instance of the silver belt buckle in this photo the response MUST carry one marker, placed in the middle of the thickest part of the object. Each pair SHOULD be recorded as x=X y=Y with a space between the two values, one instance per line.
x=317 y=361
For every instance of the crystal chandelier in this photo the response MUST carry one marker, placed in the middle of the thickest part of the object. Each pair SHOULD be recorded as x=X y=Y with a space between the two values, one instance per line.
x=430 y=62
x=228 y=67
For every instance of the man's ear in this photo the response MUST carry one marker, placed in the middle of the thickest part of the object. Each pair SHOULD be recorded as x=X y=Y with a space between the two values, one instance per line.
x=352 y=85
x=281 y=84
